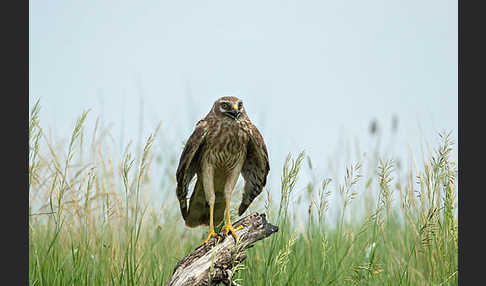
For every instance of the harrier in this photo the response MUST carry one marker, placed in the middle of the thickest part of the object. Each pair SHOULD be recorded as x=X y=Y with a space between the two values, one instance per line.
x=224 y=144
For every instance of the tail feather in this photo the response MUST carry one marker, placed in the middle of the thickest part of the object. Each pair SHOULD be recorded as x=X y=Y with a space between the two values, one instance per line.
x=198 y=212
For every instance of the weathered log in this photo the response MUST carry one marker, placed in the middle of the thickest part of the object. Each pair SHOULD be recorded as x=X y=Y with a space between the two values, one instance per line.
x=214 y=262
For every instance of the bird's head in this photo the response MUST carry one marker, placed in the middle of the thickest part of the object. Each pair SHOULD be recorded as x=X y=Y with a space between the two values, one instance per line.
x=229 y=106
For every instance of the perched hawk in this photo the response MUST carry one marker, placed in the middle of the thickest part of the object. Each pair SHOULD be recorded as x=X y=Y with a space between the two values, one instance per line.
x=224 y=144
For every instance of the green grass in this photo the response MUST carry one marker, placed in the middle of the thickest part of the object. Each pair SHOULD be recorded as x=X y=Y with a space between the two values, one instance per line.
x=94 y=220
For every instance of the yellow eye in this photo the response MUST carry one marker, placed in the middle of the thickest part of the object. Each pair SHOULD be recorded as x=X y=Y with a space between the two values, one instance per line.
x=224 y=105
x=240 y=105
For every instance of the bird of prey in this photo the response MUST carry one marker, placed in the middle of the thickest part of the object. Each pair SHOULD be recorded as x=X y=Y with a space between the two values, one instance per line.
x=224 y=144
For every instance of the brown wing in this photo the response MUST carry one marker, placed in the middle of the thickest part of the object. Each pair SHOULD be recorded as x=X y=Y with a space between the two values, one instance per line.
x=188 y=164
x=255 y=169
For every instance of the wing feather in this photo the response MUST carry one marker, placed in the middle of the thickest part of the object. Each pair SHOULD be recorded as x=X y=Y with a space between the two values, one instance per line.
x=255 y=169
x=188 y=164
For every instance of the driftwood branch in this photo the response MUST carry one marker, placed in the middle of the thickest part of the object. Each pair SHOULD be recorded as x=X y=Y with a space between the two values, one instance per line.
x=214 y=262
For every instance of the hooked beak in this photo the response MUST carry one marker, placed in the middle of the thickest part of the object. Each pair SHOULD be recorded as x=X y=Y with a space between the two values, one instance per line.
x=235 y=113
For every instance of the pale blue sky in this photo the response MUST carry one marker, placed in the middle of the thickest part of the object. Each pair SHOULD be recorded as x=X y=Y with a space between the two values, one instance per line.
x=312 y=74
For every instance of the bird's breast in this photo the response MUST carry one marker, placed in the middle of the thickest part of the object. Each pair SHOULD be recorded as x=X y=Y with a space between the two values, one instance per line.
x=226 y=147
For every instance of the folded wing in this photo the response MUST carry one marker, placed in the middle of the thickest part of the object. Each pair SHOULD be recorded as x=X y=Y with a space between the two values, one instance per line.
x=189 y=163
x=255 y=169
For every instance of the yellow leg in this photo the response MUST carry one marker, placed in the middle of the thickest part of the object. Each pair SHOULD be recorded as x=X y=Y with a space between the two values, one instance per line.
x=211 y=232
x=228 y=228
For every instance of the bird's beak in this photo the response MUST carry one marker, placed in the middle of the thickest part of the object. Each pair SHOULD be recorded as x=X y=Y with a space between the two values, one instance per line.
x=235 y=113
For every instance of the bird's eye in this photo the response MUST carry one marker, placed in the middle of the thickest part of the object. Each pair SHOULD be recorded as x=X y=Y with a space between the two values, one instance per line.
x=240 y=105
x=225 y=105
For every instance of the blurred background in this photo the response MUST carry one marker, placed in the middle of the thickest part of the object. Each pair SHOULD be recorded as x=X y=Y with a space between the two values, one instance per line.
x=337 y=79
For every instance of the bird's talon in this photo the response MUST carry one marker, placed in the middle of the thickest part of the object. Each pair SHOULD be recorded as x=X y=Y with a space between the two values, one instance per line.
x=211 y=234
x=232 y=231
